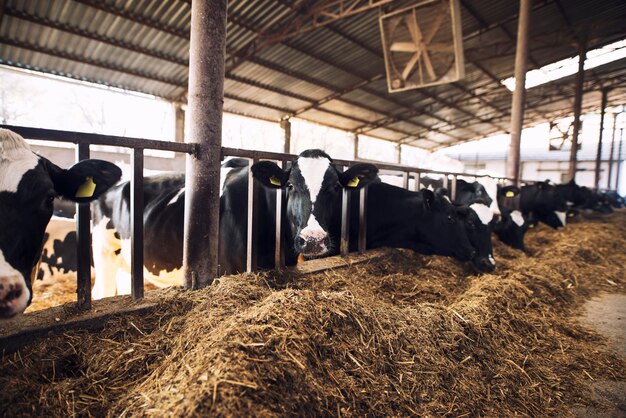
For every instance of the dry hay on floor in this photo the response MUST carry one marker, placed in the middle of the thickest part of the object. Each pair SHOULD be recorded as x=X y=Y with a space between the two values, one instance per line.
x=53 y=291
x=402 y=335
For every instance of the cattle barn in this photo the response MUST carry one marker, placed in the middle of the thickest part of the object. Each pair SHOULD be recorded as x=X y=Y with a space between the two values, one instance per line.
x=323 y=277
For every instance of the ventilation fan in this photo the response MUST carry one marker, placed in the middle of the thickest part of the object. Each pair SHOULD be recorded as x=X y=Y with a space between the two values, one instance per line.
x=423 y=45
x=560 y=136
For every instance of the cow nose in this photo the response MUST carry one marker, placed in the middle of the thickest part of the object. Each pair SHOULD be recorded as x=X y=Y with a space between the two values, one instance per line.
x=486 y=265
x=12 y=296
x=312 y=245
x=301 y=242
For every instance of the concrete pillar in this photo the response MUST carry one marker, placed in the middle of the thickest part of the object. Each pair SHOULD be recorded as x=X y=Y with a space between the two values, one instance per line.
x=206 y=96
x=578 y=102
x=517 y=105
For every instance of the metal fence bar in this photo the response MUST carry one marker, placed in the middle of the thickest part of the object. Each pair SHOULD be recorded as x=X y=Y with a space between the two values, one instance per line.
x=418 y=178
x=279 y=253
x=405 y=180
x=83 y=244
x=453 y=187
x=446 y=182
x=345 y=222
x=136 y=224
x=251 y=253
x=362 y=220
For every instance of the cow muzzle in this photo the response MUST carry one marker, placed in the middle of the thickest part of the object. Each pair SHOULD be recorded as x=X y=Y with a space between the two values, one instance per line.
x=312 y=243
x=14 y=295
x=484 y=264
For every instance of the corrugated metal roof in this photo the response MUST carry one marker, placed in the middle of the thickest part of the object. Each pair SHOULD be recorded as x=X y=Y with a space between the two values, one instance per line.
x=333 y=75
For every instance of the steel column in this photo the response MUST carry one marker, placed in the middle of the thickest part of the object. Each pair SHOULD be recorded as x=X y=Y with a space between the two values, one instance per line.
x=578 y=102
x=136 y=224
x=286 y=125
x=608 y=180
x=517 y=106
x=83 y=244
x=605 y=94
x=202 y=182
x=356 y=146
x=619 y=158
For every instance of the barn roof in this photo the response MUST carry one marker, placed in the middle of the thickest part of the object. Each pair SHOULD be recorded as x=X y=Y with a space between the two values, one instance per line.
x=286 y=58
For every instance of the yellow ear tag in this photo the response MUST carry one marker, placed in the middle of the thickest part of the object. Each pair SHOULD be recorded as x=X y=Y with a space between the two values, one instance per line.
x=275 y=181
x=87 y=188
x=510 y=194
x=354 y=182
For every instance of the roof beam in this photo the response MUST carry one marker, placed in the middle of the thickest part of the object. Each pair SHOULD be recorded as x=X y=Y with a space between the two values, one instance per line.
x=106 y=7
x=94 y=36
x=96 y=63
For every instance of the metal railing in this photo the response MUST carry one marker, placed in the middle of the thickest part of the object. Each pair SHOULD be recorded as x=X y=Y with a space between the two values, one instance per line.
x=138 y=145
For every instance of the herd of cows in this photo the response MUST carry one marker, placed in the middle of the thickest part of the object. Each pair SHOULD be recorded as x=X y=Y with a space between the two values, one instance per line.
x=425 y=221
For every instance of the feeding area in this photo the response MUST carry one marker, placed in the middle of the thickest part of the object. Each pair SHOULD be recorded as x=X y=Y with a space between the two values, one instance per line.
x=312 y=208
x=402 y=334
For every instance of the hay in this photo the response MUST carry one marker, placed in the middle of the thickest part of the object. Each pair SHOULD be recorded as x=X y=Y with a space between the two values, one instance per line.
x=404 y=335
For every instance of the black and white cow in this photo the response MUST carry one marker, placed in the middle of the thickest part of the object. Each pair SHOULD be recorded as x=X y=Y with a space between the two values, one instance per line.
x=28 y=185
x=543 y=202
x=424 y=221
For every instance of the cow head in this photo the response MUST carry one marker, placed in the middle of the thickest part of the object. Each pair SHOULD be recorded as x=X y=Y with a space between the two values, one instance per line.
x=440 y=229
x=478 y=219
x=28 y=186
x=547 y=203
x=313 y=185
x=511 y=228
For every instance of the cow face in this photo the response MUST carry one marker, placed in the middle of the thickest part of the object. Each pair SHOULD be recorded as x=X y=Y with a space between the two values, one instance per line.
x=479 y=220
x=440 y=229
x=511 y=228
x=28 y=186
x=313 y=186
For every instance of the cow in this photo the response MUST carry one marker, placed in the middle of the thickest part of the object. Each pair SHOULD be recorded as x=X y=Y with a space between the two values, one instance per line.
x=583 y=198
x=425 y=222
x=543 y=202
x=58 y=254
x=313 y=185
x=28 y=185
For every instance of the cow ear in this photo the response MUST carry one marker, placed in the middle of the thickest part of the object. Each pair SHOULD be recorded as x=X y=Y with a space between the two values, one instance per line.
x=429 y=198
x=359 y=175
x=270 y=174
x=86 y=180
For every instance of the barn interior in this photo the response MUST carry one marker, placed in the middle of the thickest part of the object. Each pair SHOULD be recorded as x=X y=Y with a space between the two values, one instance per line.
x=324 y=62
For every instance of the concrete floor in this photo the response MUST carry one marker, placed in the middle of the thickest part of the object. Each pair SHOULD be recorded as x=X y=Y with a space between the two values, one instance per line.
x=606 y=314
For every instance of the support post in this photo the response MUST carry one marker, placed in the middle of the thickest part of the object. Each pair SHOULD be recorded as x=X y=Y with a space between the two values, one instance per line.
x=286 y=125
x=83 y=244
x=399 y=153
x=608 y=180
x=202 y=182
x=179 y=114
x=596 y=183
x=136 y=224
x=362 y=219
x=356 y=146
x=517 y=106
x=344 y=247
x=578 y=102
x=619 y=158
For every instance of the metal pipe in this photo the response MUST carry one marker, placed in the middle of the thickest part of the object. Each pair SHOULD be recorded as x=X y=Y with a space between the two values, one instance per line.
x=608 y=180
x=179 y=115
x=605 y=93
x=517 y=105
x=578 y=102
x=405 y=180
x=345 y=223
x=362 y=220
x=83 y=244
x=202 y=181
x=356 y=147
x=279 y=253
x=286 y=125
x=253 y=203
x=619 y=158
x=136 y=224
x=453 y=188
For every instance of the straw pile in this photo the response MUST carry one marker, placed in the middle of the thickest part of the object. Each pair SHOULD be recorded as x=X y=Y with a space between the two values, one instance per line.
x=402 y=335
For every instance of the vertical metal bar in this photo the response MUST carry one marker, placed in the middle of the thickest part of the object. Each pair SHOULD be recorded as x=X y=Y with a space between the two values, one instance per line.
x=83 y=244
x=418 y=179
x=179 y=115
x=362 y=219
x=345 y=222
x=286 y=125
x=356 y=147
x=578 y=100
x=446 y=183
x=517 y=106
x=453 y=188
x=605 y=94
x=253 y=193
x=610 y=177
x=399 y=153
x=405 y=180
x=136 y=224
x=619 y=158
x=279 y=253
x=202 y=181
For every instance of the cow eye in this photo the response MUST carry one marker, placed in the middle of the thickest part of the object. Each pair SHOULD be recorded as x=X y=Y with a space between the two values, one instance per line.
x=290 y=186
x=450 y=218
x=49 y=201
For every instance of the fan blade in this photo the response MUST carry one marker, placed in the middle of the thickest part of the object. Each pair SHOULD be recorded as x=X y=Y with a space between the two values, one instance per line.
x=414 y=29
x=429 y=66
x=441 y=47
x=404 y=47
x=443 y=13
x=410 y=66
